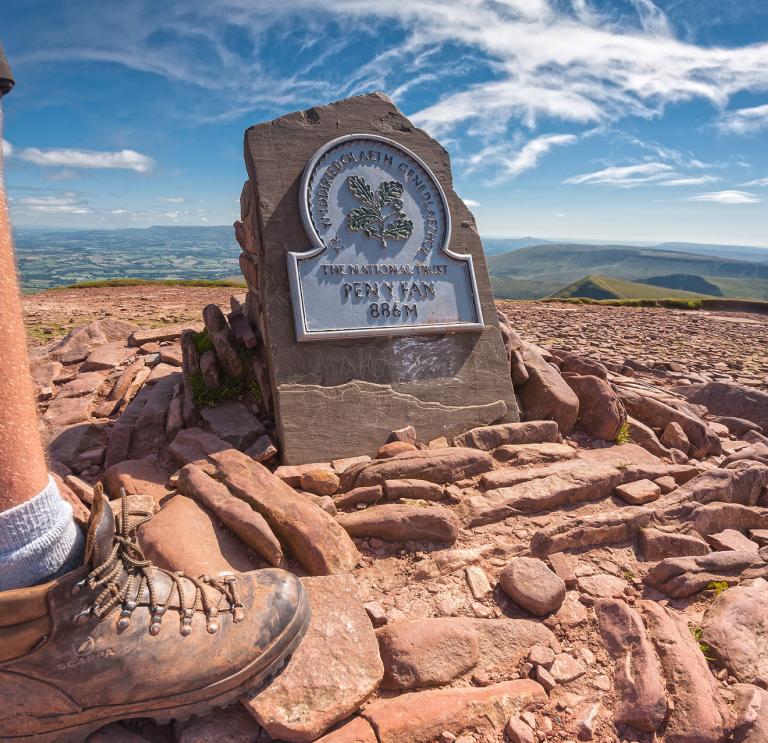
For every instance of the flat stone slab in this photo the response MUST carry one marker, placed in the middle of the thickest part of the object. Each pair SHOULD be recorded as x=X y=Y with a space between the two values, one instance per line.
x=335 y=669
x=233 y=422
x=441 y=384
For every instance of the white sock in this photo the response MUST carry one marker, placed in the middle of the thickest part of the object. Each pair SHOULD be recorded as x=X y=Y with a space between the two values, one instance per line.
x=39 y=540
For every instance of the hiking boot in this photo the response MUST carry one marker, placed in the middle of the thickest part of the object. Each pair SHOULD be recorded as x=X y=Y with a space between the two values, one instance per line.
x=120 y=638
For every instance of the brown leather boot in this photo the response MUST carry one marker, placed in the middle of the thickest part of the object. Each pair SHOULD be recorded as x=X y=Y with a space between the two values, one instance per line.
x=120 y=638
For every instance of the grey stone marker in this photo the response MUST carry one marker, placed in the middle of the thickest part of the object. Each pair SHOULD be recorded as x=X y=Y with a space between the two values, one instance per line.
x=368 y=282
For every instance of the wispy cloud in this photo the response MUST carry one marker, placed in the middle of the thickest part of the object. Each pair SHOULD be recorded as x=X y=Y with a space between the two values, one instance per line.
x=7 y=148
x=744 y=120
x=86 y=159
x=756 y=182
x=626 y=176
x=171 y=199
x=68 y=202
x=699 y=180
x=531 y=152
x=727 y=197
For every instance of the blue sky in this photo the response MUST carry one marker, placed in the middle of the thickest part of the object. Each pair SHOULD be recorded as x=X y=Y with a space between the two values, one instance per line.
x=623 y=120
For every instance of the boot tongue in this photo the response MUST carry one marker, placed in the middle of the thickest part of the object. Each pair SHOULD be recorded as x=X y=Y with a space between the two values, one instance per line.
x=101 y=530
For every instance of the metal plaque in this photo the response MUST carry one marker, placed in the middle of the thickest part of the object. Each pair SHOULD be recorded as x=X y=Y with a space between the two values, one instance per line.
x=380 y=227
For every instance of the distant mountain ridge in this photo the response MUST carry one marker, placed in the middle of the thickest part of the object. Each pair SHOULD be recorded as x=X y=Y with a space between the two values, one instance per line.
x=542 y=270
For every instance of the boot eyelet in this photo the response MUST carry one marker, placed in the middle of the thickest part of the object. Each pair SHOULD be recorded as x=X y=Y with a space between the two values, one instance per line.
x=82 y=618
x=77 y=587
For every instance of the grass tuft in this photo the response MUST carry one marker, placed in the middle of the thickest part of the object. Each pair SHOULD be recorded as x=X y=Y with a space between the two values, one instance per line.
x=623 y=437
x=717 y=587
x=229 y=389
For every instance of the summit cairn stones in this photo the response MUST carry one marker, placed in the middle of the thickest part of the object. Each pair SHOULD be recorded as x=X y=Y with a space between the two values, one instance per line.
x=368 y=283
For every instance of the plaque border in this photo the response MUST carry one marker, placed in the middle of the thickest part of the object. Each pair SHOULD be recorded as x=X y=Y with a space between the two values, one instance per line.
x=293 y=258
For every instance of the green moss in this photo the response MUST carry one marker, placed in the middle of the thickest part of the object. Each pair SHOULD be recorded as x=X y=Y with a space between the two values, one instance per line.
x=202 y=341
x=706 y=650
x=717 y=586
x=229 y=389
x=623 y=437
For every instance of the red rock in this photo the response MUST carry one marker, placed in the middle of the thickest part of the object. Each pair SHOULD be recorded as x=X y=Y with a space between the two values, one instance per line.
x=427 y=652
x=645 y=437
x=434 y=465
x=714 y=517
x=565 y=669
x=728 y=398
x=730 y=539
x=603 y=585
x=182 y=536
x=341 y=465
x=291 y=474
x=666 y=484
x=524 y=455
x=638 y=492
x=658 y=545
x=245 y=523
x=601 y=413
x=140 y=476
x=624 y=456
x=233 y=725
x=491 y=437
x=66 y=411
x=107 y=356
x=546 y=396
x=44 y=371
x=699 y=714
x=751 y=714
x=576 y=484
x=403 y=523
x=262 y=450
x=641 y=700
x=574 y=364
x=611 y=527
x=420 y=717
x=413 y=489
x=369 y=494
x=674 y=437
x=561 y=564
x=735 y=626
x=357 y=731
x=149 y=432
x=319 y=481
x=234 y=422
x=394 y=447
x=315 y=538
x=533 y=586
x=171 y=355
x=334 y=670
x=164 y=333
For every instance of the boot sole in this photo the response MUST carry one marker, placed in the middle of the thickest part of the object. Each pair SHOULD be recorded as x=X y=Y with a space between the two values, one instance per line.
x=248 y=680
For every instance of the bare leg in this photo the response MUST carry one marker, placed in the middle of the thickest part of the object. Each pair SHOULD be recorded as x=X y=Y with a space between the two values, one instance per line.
x=23 y=472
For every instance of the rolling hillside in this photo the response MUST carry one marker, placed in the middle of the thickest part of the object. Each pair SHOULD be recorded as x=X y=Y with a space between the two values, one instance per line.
x=604 y=287
x=542 y=270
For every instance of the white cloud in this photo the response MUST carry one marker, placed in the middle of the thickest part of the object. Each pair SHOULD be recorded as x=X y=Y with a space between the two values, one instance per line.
x=757 y=182
x=626 y=176
x=471 y=203
x=531 y=152
x=697 y=180
x=726 y=197
x=171 y=199
x=7 y=148
x=744 y=120
x=67 y=158
x=68 y=202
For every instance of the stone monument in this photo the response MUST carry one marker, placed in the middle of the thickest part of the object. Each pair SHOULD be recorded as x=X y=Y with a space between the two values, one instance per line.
x=368 y=282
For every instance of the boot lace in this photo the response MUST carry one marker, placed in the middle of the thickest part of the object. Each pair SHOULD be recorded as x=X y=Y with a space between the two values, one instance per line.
x=126 y=571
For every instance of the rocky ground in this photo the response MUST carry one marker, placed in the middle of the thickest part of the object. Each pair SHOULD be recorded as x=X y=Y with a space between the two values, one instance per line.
x=596 y=572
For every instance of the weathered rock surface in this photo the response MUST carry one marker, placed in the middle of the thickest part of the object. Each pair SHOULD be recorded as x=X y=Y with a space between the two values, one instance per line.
x=699 y=714
x=523 y=455
x=427 y=652
x=638 y=492
x=657 y=545
x=491 y=437
x=645 y=437
x=601 y=413
x=402 y=523
x=107 y=356
x=413 y=489
x=532 y=586
x=546 y=396
x=750 y=723
x=576 y=484
x=735 y=626
x=233 y=725
x=588 y=531
x=420 y=717
x=248 y=525
x=145 y=476
x=434 y=465
x=334 y=670
x=733 y=400
x=234 y=422
x=315 y=538
x=641 y=700
x=715 y=517
x=182 y=536
x=683 y=576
